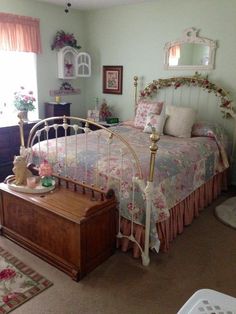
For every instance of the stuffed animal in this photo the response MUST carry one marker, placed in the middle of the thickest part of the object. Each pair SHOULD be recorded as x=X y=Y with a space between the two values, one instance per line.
x=20 y=170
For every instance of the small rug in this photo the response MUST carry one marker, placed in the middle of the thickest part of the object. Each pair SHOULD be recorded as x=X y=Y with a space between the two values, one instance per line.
x=18 y=282
x=226 y=212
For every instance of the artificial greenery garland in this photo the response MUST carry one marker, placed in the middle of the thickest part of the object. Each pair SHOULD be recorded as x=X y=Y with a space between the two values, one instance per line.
x=195 y=80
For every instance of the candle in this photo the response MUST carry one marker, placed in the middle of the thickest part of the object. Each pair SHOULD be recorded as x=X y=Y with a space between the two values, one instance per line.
x=31 y=182
x=58 y=99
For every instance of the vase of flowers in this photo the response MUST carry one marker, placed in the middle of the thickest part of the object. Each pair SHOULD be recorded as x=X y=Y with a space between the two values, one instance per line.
x=24 y=102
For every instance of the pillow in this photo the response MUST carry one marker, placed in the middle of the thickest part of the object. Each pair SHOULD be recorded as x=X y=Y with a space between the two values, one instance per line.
x=155 y=121
x=143 y=110
x=215 y=131
x=179 y=121
x=208 y=129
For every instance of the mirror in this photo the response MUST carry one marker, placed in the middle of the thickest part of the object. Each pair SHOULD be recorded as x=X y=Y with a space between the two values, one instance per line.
x=190 y=52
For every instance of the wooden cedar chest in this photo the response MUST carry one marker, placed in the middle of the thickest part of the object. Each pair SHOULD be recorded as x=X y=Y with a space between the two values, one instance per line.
x=63 y=227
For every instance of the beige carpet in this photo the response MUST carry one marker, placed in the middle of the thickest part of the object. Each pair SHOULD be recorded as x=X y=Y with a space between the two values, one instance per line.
x=226 y=212
x=204 y=256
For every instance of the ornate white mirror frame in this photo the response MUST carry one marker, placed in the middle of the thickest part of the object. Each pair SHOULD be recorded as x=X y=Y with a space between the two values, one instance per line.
x=190 y=36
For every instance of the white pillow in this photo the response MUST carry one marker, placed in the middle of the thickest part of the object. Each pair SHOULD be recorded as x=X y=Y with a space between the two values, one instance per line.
x=179 y=121
x=155 y=121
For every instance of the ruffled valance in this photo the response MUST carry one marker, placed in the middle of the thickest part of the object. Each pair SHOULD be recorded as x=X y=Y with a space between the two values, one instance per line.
x=19 y=33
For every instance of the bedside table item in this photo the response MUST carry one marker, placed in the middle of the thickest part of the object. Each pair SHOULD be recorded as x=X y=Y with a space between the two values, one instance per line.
x=106 y=124
x=112 y=120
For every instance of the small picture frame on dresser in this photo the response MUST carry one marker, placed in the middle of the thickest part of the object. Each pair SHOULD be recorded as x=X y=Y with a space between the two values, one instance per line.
x=93 y=115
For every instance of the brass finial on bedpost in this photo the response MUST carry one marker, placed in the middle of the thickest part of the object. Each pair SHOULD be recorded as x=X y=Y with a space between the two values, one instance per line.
x=21 y=126
x=135 y=91
x=153 y=149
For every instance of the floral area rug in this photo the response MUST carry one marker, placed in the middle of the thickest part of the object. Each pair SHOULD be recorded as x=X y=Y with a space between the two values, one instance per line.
x=18 y=282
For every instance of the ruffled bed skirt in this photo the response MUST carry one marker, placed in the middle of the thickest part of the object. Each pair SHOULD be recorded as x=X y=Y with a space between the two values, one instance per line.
x=180 y=215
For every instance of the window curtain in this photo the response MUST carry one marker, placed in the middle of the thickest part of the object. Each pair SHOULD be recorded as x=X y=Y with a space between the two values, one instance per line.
x=175 y=52
x=19 y=33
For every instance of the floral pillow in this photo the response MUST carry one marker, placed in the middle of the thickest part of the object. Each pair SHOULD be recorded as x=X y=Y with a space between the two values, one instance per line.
x=215 y=131
x=143 y=109
x=210 y=129
x=155 y=121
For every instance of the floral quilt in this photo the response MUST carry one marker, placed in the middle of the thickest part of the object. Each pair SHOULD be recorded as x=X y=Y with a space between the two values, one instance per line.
x=182 y=165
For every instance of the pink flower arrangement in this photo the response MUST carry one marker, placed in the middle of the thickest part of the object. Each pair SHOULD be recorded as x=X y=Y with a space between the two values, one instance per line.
x=45 y=169
x=104 y=111
x=63 y=39
x=24 y=101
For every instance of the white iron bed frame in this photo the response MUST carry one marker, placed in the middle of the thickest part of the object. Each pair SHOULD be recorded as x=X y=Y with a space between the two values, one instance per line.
x=158 y=87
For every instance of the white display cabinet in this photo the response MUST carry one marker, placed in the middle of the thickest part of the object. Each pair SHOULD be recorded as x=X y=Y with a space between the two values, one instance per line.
x=73 y=64
x=83 y=62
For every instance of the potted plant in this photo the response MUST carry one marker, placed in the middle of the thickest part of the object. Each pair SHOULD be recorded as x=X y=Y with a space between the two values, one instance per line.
x=24 y=101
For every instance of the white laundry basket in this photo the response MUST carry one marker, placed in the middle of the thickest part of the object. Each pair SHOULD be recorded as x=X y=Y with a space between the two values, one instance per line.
x=206 y=301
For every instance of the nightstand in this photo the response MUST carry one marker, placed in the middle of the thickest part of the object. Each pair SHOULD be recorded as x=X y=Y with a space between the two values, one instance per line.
x=108 y=125
x=103 y=123
x=53 y=109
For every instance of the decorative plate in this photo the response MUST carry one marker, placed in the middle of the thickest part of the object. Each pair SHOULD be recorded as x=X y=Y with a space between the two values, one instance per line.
x=25 y=189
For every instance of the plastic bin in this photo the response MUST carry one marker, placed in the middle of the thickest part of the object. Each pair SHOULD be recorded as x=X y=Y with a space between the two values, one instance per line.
x=206 y=301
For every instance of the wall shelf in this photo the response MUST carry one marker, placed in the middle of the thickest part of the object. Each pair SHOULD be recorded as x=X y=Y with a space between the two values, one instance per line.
x=59 y=92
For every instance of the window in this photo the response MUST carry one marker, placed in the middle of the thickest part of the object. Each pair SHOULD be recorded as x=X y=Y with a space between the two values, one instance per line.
x=174 y=55
x=17 y=69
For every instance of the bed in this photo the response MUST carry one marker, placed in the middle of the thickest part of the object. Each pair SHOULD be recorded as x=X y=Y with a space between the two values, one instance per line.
x=163 y=169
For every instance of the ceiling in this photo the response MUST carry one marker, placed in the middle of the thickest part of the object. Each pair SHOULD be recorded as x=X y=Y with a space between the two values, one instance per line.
x=92 y=4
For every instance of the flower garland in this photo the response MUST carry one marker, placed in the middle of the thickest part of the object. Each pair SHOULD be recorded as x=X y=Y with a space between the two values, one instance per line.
x=195 y=80
x=63 y=39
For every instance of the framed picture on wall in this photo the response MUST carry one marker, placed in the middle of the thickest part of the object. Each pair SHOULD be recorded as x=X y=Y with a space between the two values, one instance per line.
x=112 y=79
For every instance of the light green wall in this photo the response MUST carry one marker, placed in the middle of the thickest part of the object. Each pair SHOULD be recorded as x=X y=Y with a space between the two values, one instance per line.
x=134 y=36
x=52 y=18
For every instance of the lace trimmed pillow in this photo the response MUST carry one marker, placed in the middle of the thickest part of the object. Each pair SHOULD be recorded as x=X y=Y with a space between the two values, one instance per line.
x=143 y=109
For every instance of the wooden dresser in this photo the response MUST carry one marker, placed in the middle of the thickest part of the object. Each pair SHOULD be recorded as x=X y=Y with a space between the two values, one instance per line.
x=10 y=146
x=63 y=227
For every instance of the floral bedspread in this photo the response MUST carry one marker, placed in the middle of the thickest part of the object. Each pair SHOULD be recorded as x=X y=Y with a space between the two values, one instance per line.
x=182 y=165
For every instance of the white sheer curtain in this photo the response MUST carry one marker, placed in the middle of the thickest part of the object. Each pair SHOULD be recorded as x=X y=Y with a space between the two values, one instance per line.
x=19 y=43
x=17 y=69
